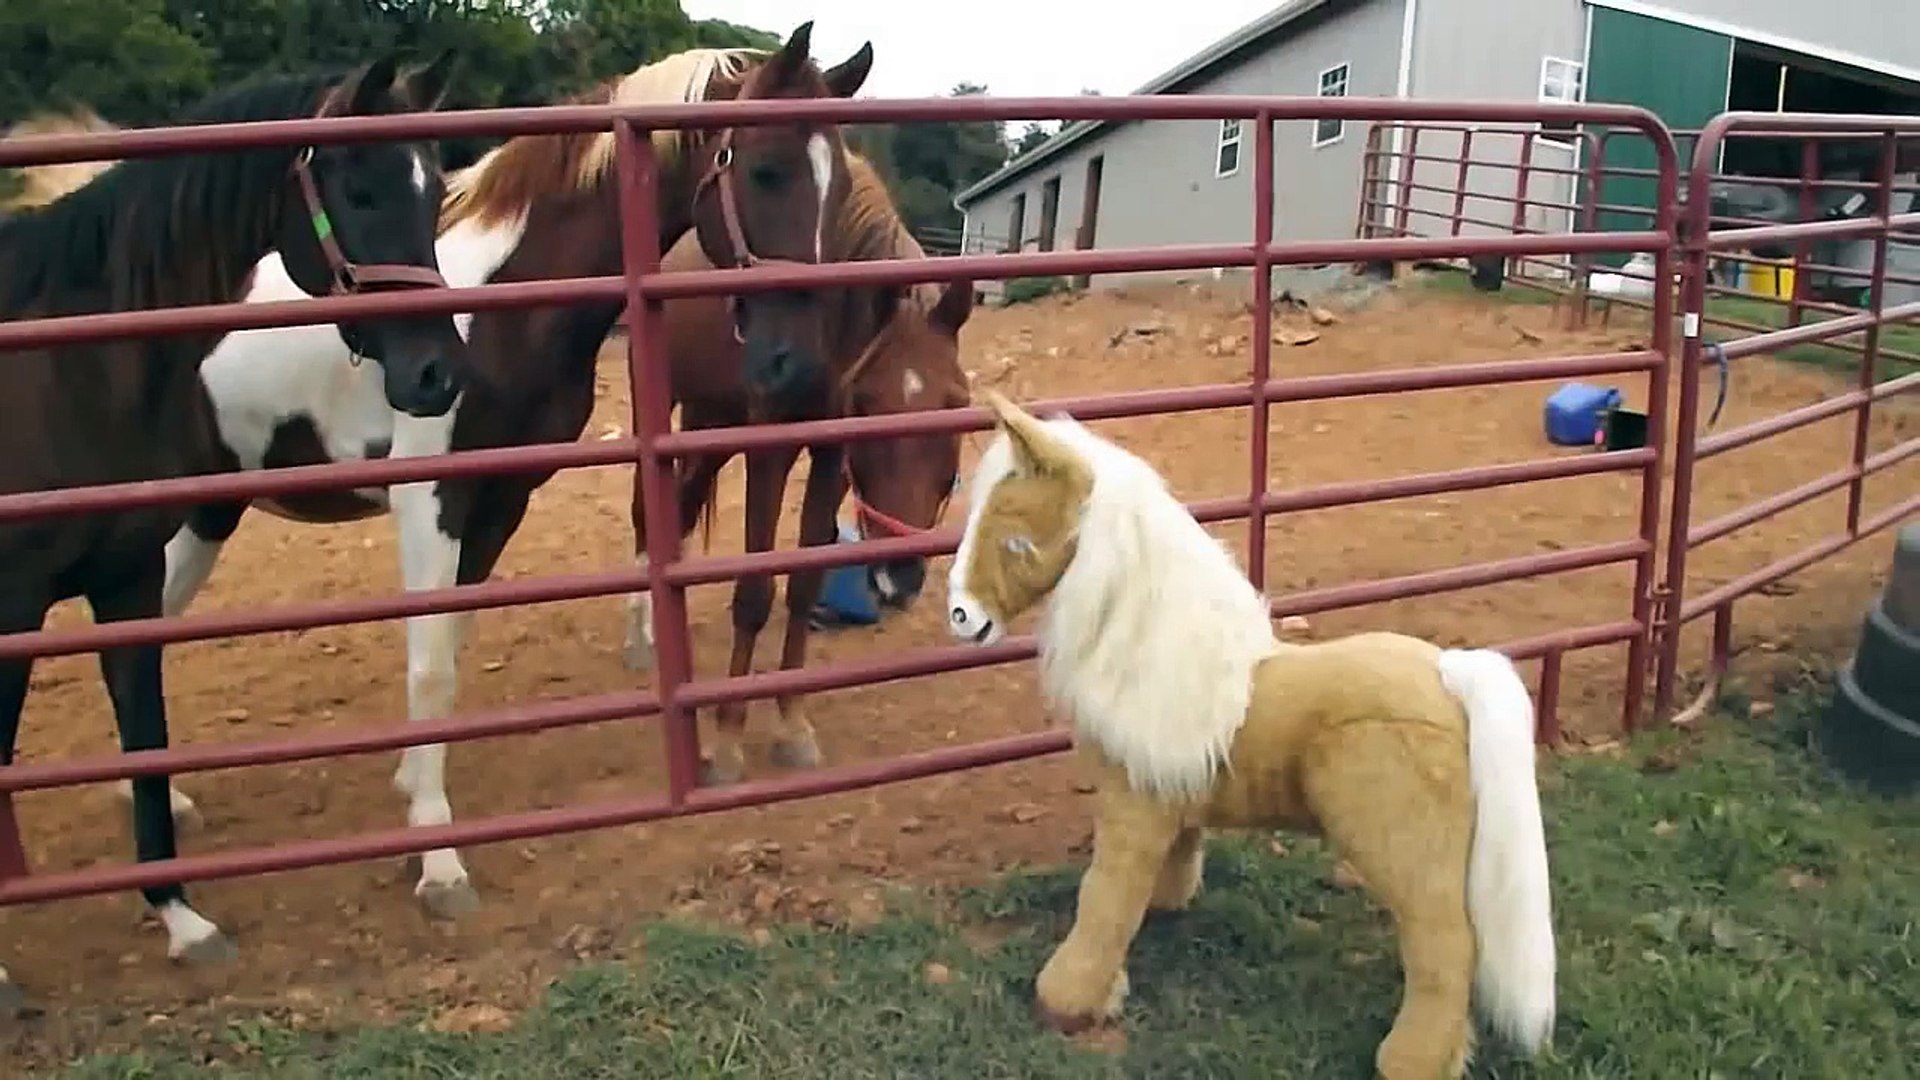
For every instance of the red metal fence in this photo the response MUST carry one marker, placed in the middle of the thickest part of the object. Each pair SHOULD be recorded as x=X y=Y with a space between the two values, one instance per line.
x=1722 y=323
x=654 y=447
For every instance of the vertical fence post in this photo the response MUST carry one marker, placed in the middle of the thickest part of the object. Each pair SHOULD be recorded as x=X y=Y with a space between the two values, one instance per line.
x=1369 y=183
x=1460 y=182
x=1693 y=230
x=656 y=501
x=1522 y=181
x=1870 y=349
x=1802 y=248
x=1403 y=197
x=1589 y=222
x=1263 y=207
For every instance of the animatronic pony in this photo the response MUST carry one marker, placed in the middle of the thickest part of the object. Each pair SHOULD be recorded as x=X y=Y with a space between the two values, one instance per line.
x=1416 y=761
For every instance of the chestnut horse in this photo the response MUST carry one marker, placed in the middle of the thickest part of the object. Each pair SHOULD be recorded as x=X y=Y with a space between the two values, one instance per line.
x=535 y=207
x=891 y=350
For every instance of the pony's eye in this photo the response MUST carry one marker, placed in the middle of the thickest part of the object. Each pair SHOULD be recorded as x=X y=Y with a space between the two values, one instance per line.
x=767 y=178
x=1018 y=545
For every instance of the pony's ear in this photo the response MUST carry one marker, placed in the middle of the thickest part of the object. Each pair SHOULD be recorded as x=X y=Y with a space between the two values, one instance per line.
x=426 y=87
x=886 y=301
x=846 y=77
x=795 y=53
x=956 y=303
x=1035 y=449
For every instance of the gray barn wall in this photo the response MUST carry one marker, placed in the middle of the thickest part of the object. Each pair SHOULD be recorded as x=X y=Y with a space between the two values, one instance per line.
x=1159 y=186
x=1490 y=49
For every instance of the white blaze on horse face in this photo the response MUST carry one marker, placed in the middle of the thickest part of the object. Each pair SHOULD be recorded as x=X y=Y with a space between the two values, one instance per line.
x=820 y=156
x=419 y=176
x=911 y=384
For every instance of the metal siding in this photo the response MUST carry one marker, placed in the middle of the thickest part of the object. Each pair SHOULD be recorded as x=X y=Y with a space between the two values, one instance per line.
x=1884 y=30
x=1508 y=41
x=1159 y=188
x=1676 y=71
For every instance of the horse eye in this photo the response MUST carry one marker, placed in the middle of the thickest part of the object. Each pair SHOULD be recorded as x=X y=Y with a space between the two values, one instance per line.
x=767 y=177
x=1018 y=545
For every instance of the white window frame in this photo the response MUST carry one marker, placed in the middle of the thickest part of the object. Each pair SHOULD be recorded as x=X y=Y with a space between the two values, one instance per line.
x=1321 y=87
x=1573 y=72
x=1237 y=140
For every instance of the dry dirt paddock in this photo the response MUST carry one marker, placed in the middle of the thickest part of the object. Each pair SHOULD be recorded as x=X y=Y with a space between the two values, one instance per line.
x=321 y=945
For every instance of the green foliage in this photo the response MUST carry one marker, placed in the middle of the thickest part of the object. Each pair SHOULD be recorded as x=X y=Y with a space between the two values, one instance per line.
x=926 y=165
x=1724 y=907
x=1026 y=289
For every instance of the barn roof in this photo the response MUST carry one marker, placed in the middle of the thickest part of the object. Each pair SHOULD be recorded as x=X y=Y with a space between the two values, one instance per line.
x=1223 y=53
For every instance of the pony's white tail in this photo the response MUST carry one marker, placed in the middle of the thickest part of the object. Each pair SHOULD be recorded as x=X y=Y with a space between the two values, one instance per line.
x=1507 y=888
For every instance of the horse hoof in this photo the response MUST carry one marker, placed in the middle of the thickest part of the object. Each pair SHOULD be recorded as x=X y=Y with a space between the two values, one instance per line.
x=13 y=1003
x=215 y=948
x=449 y=899
x=1064 y=1023
x=711 y=774
x=639 y=658
x=795 y=753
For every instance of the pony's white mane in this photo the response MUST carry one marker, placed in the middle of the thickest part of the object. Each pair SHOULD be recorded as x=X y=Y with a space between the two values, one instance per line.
x=1150 y=639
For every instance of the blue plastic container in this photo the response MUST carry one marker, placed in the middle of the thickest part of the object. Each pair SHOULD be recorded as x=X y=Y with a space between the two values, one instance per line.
x=1574 y=412
x=845 y=597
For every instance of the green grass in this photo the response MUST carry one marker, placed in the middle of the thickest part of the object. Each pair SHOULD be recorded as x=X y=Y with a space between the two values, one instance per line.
x=1725 y=908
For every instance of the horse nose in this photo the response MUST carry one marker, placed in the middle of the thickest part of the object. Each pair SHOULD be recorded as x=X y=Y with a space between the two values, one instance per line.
x=433 y=388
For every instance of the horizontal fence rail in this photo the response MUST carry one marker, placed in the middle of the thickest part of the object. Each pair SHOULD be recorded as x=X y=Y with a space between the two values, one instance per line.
x=1384 y=235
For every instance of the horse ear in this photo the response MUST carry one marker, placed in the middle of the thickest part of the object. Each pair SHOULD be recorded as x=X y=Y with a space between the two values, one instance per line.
x=846 y=77
x=795 y=52
x=886 y=301
x=956 y=303
x=362 y=91
x=426 y=87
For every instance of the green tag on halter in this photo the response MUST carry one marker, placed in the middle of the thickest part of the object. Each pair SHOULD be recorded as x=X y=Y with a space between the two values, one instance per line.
x=322 y=224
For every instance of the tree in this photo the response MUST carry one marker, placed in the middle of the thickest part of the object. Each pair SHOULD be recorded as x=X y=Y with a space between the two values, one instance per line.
x=123 y=58
x=1031 y=137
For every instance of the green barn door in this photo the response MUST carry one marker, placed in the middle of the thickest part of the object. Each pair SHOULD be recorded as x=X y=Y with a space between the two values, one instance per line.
x=1678 y=72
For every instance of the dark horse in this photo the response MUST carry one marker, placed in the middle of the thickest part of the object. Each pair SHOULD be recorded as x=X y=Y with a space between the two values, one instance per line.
x=535 y=207
x=184 y=230
x=889 y=350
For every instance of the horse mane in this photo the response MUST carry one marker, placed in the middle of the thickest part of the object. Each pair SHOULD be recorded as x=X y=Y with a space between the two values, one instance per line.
x=1151 y=637
x=43 y=184
x=504 y=183
x=134 y=226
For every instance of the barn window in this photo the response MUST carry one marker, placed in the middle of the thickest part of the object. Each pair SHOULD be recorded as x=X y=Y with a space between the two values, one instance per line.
x=1226 y=158
x=1333 y=83
x=1563 y=82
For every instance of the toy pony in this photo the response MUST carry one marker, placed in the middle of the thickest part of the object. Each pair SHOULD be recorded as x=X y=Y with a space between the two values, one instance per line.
x=1416 y=762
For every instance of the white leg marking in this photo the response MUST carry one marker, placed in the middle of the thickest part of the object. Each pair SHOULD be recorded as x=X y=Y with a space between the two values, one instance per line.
x=820 y=156
x=184 y=812
x=639 y=651
x=419 y=176
x=190 y=561
x=189 y=934
x=883 y=584
x=429 y=559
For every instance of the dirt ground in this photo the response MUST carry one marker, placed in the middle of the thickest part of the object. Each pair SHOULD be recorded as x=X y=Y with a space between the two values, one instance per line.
x=326 y=945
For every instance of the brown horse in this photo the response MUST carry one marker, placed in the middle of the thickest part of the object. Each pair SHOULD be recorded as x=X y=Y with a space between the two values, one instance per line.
x=535 y=207
x=891 y=350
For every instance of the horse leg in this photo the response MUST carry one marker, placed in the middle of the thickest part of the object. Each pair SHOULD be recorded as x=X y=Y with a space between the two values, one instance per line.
x=752 y=605
x=1406 y=827
x=794 y=744
x=133 y=678
x=191 y=556
x=20 y=615
x=429 y=559
x=1085 y=980
x=1180 y=875
x=696 y=485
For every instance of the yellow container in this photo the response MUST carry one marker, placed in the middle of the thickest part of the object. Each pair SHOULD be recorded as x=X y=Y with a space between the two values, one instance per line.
x=1770 y=278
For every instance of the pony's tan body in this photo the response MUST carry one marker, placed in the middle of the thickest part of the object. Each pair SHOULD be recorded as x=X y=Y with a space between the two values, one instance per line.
x=1417 y=762
x=1355 y=739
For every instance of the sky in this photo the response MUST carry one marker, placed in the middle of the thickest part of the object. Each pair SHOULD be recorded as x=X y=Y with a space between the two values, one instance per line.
x=1018 y=48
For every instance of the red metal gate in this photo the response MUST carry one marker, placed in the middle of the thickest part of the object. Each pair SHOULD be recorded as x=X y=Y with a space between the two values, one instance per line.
x=654 y=446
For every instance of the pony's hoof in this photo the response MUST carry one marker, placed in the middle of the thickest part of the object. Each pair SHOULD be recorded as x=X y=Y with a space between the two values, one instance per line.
x=795 y=753
x=713 y=774
x=1066 y=1023
x=448 y=899
x=215 y=948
